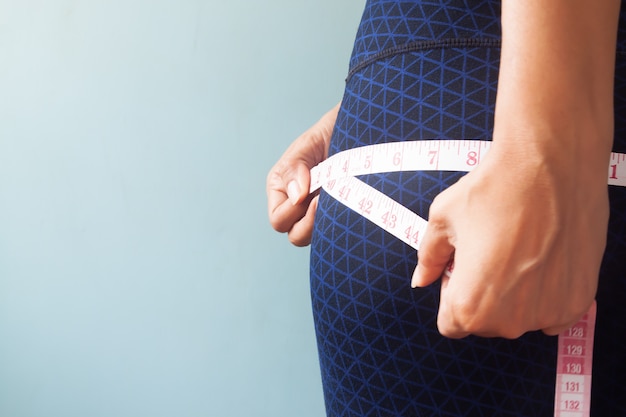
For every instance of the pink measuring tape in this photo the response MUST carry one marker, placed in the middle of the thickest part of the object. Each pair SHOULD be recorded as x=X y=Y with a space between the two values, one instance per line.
x=337 y=175
x=574 y=361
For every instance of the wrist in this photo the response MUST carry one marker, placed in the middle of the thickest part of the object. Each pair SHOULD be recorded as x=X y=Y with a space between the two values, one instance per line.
x=569 y=136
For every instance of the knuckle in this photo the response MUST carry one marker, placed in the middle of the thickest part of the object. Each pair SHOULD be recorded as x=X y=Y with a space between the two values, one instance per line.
x=447 y=328
x=466 y=317
x=281 y=228
x=440 y=203
x=452 y=323
x=299 y=240
x=511 y=332
x=278 y=224
x=554 y=331
x=436 y=217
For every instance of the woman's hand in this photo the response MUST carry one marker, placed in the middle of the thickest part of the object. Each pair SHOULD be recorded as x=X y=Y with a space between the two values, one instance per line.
x=527 y=228
x=527 y=238
x=291 y=208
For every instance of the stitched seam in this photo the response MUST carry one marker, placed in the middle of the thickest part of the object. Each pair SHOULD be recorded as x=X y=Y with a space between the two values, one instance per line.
x=419 y=46
x=423 y=46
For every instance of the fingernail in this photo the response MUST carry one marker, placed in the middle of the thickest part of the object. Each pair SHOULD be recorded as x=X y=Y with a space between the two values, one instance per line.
x=293 y=192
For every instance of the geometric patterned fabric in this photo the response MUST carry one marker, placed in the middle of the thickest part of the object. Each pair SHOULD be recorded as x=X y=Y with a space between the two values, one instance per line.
x=421 y=70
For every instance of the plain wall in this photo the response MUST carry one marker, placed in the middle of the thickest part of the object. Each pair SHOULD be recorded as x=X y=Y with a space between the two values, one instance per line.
x=138 y=273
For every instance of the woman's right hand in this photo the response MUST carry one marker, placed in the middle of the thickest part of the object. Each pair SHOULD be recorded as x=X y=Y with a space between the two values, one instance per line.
x=291 y=209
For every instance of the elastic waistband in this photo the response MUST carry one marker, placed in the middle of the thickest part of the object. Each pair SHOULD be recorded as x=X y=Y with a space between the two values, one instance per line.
x=392 y=27
x=420 y=46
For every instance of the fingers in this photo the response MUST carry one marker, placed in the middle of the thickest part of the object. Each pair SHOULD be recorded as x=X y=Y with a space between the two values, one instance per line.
x=288 y=196
x=433 y=257
x=459 y=313
x=436 y=250
x=447 y=324
x=298 y=184
x=556 y=330
x=290 y=207
x=301 y=232
x=462 y=313
x=514 y=271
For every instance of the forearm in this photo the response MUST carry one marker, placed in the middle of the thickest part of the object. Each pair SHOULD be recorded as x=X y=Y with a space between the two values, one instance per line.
x=527 y=227
x=556 y=74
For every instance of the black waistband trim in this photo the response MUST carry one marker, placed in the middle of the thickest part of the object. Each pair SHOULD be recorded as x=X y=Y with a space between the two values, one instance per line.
x=419 y=46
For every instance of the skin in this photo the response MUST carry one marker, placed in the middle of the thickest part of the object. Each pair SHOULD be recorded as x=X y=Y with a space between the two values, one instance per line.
x=291 y=208
x=526 y=228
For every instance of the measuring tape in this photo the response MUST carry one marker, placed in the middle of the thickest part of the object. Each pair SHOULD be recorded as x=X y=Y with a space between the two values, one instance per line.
x=337 y=176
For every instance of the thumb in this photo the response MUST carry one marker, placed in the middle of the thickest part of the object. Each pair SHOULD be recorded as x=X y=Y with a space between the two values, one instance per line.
x=434 y=255
x=298 y=184
x=287 y=191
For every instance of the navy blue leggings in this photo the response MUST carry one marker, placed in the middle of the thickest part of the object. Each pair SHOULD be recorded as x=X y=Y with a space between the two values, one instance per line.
x=421 y=70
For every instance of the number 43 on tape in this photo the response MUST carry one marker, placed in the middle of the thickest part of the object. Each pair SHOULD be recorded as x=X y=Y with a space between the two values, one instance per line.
x=337 y=175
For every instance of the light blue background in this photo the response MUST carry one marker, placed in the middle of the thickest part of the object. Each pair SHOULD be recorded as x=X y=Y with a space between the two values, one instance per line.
x=138 y=273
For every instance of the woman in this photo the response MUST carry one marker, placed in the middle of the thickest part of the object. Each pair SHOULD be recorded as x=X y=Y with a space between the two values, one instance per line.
x=527 y=228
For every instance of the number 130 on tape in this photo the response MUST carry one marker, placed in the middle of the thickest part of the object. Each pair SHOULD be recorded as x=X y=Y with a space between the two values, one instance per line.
x=337 y=175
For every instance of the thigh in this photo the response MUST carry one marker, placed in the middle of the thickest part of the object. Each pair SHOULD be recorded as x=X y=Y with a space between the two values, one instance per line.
x=380 y=351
